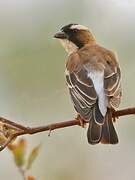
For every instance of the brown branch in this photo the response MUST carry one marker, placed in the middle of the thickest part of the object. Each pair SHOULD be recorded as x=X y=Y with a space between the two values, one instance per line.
x=12 y=130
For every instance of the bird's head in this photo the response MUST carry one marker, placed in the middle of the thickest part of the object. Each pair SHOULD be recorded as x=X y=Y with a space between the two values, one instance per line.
x=74 y=36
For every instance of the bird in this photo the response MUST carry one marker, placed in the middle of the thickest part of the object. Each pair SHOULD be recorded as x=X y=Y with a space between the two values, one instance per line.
x=93 y=77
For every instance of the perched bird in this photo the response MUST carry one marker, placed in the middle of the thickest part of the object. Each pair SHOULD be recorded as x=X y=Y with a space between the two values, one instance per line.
x=94 y=80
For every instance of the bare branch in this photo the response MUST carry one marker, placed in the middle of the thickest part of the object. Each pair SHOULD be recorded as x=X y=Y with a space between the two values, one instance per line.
x=11 y=130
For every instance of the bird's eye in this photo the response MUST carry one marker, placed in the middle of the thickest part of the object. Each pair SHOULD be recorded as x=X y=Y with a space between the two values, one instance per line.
x=75 y=30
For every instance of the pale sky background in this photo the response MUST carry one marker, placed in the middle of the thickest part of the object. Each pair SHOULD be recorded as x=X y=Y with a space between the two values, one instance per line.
x=33 y=90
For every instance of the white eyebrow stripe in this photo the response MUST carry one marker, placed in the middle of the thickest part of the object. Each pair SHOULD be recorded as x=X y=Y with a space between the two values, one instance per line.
x=79 y=27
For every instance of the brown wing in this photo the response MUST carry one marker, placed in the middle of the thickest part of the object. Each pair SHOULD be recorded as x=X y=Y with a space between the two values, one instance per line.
x=112 y=85
x=82 y=92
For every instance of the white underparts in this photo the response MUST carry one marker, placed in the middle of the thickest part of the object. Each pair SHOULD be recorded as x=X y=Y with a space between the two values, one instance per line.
x=98 y=80
x=68 y=46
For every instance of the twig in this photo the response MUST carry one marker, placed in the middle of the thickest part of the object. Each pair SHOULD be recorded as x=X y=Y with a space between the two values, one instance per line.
x=19 y=129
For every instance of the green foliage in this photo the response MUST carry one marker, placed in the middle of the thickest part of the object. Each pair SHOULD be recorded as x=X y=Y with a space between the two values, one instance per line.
x=34 y=153
x=22 y=162
x=19 y=151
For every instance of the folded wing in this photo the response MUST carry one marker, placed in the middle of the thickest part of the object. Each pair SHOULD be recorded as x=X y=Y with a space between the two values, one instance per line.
x=82 y=92
x=112 y=86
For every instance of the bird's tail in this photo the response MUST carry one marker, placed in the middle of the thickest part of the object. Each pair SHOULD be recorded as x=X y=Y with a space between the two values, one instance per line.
x=102 y=132
x=109 y=135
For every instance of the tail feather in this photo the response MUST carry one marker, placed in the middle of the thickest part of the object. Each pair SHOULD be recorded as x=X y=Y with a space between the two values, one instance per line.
x=109 y=135
x=104 y=133
x=94 y=132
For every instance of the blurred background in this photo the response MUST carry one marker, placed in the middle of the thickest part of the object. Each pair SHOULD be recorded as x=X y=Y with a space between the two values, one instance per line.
x=33 y=90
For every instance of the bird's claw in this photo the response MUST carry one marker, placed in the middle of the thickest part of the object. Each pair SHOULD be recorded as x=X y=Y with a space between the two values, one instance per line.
x=114 y=117
x=82 y=121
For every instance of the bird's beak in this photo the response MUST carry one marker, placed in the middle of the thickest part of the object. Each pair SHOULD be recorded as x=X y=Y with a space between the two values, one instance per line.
x=60 y=35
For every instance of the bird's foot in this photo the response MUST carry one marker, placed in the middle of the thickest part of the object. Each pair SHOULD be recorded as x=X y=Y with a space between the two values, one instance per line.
x=114 y=117
x=82 y=122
